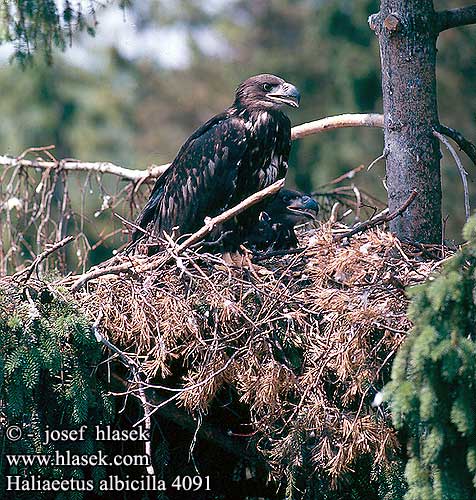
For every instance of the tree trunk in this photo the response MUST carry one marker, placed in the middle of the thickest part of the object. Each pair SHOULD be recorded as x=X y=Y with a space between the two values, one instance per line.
x=407 y=31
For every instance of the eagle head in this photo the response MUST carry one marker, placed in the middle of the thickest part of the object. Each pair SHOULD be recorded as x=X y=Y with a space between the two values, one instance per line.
x=266 y=92
x=291 y=207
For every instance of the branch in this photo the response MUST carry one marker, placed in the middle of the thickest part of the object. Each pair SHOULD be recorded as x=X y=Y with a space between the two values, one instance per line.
x=453 y=18
x=200 y=234
x=339 y=121
x=462 y=171
x=208 y=432
x=129 y=363
x=329 y=123
x=78 y=166
x=41 y=257
x=348 y=175
x=466 y=146
x=229 y=214
x=381 y=219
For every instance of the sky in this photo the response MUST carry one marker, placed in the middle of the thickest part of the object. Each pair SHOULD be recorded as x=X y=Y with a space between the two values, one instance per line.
x=167 y=46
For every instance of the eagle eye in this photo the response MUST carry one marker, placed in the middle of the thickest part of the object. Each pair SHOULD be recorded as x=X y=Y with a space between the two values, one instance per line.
x=267 y=87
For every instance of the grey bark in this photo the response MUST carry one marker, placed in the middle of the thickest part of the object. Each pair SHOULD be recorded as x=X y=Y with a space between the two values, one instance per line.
x=407 y=31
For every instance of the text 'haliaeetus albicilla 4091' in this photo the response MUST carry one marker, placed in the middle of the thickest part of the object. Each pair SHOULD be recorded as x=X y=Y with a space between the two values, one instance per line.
x=233 y=155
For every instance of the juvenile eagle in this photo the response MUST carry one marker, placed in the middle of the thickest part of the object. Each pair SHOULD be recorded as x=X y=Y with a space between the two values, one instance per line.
x=233 y=155
x=275 y=229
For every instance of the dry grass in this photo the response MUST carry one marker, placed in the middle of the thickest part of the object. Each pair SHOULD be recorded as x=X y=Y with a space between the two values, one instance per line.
x=305 y=345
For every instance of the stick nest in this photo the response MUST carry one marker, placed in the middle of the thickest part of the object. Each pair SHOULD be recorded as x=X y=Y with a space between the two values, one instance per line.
x=304 y=344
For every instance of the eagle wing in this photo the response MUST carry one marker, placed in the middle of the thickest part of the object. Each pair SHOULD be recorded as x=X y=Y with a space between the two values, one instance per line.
x=200 y=181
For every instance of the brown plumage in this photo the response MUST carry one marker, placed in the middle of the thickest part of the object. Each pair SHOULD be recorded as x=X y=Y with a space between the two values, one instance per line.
x=234 y=154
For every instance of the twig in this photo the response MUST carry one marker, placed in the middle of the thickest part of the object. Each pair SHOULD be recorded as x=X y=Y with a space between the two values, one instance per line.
x=277 y=253
x=105 y=167
x=348 y=175
x=377 y=220
x=381 y=157
x=462 y=172
x=130 y=363
x=466 y=146
x=453 y=18
x=358 y=198
x=229 y=214
x=41 y=257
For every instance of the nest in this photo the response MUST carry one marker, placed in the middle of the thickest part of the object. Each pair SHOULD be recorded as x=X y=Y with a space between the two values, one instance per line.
x=304 y=343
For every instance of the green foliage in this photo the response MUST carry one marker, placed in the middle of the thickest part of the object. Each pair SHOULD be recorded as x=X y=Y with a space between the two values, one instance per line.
x=39 y=25
x=433 y=387
x=48 y=357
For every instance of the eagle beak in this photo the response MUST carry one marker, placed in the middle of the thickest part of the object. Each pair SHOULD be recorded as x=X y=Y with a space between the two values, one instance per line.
x=305 y=206
x=287 y=94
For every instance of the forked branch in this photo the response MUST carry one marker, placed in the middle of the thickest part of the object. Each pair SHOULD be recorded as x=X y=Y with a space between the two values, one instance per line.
x=466 y=146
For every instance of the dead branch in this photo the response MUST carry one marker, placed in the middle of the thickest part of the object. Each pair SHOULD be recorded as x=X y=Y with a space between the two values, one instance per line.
x=329 y=123
x=466 y=146
x=277 y=253
x=348 y=175
x=200 y=234
x=41 y=257
x=339 y=121
x=232 y=212
x=105 y=167
x=462 y=172
x=381 y=219
x=453 y=18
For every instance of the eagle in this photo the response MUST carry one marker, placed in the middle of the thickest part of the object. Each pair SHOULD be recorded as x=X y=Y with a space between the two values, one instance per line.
x=275 y=229
x=233 y=155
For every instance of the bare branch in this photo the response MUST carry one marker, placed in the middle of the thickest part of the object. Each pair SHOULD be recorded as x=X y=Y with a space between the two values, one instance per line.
x=101 y=167
x=232 y=212
x=466 y=146
x=329 y=123
x=41 y=257
x=348 y=175
x=381 y=219
x=339 y=121
x=462 y=171
x=453 y=18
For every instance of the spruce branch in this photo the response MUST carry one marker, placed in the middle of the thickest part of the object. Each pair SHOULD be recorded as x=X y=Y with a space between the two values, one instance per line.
x=464 y=144
x=462 y=172
x=454 y=18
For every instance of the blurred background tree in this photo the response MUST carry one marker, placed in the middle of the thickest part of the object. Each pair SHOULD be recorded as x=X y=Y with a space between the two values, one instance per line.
x=158 y=69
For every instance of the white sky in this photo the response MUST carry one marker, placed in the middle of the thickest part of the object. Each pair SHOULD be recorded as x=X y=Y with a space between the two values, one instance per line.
x=167 y=46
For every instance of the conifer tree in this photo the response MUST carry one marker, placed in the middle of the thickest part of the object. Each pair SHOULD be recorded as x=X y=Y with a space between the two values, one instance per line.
x=48 y=380
x=41 y=25
x=433 y=387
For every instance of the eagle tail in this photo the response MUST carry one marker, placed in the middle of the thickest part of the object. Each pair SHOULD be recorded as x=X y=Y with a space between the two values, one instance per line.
x=148 y=213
